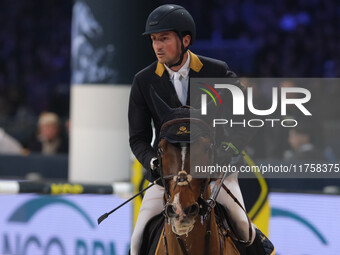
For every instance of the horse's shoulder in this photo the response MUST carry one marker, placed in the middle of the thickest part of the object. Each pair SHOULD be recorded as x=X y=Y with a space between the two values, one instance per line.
x=229 y=246
x=160 y=249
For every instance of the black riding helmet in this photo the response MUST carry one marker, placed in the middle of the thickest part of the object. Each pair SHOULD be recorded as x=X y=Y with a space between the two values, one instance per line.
x=171 y=17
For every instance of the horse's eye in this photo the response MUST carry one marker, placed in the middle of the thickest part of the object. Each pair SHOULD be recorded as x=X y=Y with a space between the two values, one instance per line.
x=160 y=150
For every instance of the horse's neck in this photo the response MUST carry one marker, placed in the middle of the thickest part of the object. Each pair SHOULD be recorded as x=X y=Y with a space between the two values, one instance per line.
x=195 y=242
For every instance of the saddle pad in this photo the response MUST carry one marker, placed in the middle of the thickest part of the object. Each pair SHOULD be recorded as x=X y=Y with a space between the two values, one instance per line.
x=152 y=232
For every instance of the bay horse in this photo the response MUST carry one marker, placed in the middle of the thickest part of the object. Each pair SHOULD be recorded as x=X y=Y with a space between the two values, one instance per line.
x=190 y=223
x=190 y=227
x=194 y=222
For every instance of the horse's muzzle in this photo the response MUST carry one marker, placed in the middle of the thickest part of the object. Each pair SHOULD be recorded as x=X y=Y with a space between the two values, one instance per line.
x=182 y=222
x=172 y=212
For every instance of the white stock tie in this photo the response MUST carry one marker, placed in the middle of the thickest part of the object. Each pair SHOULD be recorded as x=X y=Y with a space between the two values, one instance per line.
x=179 y=88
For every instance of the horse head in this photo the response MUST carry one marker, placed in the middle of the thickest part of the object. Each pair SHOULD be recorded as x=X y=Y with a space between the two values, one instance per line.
x=183 y=192
x=185 y=141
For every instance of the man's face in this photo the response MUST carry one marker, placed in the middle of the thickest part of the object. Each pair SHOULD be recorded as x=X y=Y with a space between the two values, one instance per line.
x=296 y=140
x=49 y=131
x=167 y=47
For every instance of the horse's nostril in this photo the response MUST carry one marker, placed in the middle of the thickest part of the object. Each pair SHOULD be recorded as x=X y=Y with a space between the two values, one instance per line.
x=192 y=210
x=170 y=211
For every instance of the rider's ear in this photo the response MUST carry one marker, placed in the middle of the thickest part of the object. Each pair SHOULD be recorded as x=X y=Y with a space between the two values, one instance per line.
x=186 y=40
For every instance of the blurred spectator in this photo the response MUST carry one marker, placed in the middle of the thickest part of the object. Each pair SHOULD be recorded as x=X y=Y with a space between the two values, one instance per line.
x=49 y=139
x=8 y=144
x=300 y=139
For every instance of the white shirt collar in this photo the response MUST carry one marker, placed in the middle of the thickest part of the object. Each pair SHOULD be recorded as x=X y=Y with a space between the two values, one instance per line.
x=183 y=71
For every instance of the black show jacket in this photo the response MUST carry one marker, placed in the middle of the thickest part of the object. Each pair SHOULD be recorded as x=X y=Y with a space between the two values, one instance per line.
x=142 y=111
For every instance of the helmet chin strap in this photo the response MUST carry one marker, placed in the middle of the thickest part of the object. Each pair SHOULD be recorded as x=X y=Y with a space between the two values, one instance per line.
x=183 y=51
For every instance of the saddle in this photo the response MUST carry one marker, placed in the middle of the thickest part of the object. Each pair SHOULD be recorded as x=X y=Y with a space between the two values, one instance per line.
x=153 y=230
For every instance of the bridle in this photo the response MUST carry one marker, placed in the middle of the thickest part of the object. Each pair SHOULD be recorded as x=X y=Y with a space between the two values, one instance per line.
x=202 y=206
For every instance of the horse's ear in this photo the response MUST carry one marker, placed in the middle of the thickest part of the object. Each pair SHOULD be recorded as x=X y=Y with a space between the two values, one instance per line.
x=162 y=108
x=213 y=112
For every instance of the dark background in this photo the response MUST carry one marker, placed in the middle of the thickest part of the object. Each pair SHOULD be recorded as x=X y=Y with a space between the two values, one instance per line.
x=280 y=38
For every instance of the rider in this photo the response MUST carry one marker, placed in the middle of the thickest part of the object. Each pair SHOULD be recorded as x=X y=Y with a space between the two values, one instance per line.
x=172 y=30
